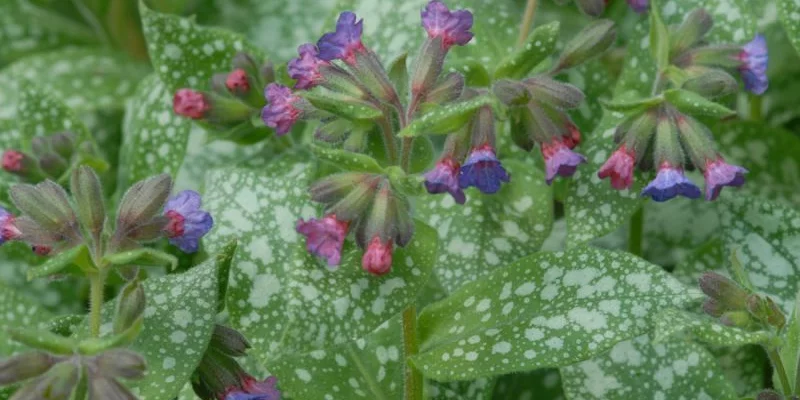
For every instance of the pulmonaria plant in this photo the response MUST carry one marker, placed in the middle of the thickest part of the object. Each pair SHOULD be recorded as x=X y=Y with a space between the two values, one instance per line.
x=660 y=131
x=51 y=157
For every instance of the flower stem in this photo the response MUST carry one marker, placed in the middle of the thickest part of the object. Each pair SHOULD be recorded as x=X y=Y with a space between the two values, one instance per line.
x=405 y=161
x=777 y=363
x=97 y=284
x=635 y=234
x=527 y=22
x=414 y=383
x=388 y=139
x=755 y=107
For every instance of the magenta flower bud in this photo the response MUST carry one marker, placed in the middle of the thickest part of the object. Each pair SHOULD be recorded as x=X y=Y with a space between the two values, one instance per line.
x=619 y=167
x=640 y=6
x=305 y=69
x=718 y=174
x=8 y=230
x=280 y=112
x=451 y=26
x=377 y=260
x=345 y=42
x=755 y=58
x=237 y=81
x=187 y=221
x=252 y=389
x=559 y=159
x=190 y=104
x=13 y=161
x=324 y=237
x=483 y=170
x=670 y=182
x=444 y=179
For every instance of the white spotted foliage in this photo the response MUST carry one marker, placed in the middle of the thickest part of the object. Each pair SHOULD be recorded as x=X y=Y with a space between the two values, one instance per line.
x=673 y=322
x=18 y=311
x=545 y=310
x=789 y=14
x=489 y=231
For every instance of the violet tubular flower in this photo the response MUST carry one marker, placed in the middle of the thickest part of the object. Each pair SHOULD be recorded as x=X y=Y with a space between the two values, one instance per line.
x=187 y=221
x=345 y=42
x=324 y=237
x=619 y=167
x=483 y=170
x=560 y=160
x=443 y=178
x=256 y=390
x=305 y=68
x=280 y=112
x=453 y=27
x=719 y=174
x=670 y=182
x=755 y=59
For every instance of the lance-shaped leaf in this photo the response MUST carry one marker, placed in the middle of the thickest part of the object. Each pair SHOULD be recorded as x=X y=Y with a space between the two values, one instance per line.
x=347 y=160
x=548 y=309
x=78 y=255
x=145 y=257
x=447 y=118
x=342 y=105
x=633 y=106
x=659 y=37
x=787 y=12
x=791 y=348
x=694 y=104
x=43 y=340
x=539 y=45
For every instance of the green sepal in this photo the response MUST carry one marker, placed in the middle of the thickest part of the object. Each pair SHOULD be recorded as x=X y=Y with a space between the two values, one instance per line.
x=94 y=346
x=341 y=105
x=77 y=255
x=145 y=257
x=659 y=37
x=539 y=45
x=347 y=160
x=694 y=104
x=447 y=118
x=43 y=340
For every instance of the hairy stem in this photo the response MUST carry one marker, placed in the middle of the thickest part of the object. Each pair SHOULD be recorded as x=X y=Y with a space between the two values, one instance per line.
x=755 y=107
x=635 y=233
x=527 y=21
x=97 y=284
x=388 y=139
x=413 y=378
x=777 y=363
x=405 y=161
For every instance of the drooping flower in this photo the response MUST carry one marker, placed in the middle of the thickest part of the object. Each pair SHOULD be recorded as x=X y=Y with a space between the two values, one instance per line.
x=345 y=42
x=718 y=174
x=670 y=182
x=377 y=260
x=483 y=170
x=190 y=104
x=256 y=390
x=559 y=159
x=755 y=59
x=324 y=237
x=451 y=26
x=444 y=179
x=187 y=221
x=280 y=112
x=619 y=167
x=237 y=81
x=640 y=6
x=305 y=68
x=12 y=161
x=8 y=231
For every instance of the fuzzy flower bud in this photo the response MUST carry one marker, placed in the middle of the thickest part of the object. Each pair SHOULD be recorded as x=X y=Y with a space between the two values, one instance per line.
x=324 y=237
x=593 y=8
x=724 y=290
x=593 y=40
x=281 y=112
x=190 y=104
x=377 y=260
x=237 y=81
x=8 y=231
x=187 y=221
x=25 y=366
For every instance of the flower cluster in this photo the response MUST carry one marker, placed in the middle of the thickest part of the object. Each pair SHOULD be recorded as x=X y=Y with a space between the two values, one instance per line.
x=51 y=157
x=737 y=306
x=663 y=124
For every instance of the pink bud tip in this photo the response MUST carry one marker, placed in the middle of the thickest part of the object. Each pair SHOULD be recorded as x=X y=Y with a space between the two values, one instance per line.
x=12 y=161
x=237 y=81
x=377 y=259
x=190 y=104
x=619 y=167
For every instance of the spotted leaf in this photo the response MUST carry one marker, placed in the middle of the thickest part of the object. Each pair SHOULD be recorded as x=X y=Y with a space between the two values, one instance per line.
x=17 y=310
x=541 y=383
x=673 y=322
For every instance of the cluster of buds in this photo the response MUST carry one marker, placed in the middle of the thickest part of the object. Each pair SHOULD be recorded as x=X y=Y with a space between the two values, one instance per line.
x=50 y=223
x=220 y=377
x=51 y=157
x=232 y=103
x=695 y=71
x=737 y=306
x=595 y=8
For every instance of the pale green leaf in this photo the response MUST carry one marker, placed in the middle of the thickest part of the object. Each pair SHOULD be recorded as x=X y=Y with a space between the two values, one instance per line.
x=42 y=114
x=447 y=118
x=707 y=330
x=549 y=309
x=539 y=45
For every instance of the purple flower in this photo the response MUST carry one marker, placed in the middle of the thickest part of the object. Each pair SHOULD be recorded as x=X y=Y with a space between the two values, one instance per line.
x=187 y=221
x=8 y=231
x=324 y=237
x=670 y=182
x=639 y=6
x=718 y=173
x=255 y=390
x=345 y=42
x=190 y=104
x=483 y=170
x=755 y=58
x=280 y=112
x=305 y=68
x=619 y=167
x=444 y=178
x=377 y=260
x=559 y=159
x=453 y=27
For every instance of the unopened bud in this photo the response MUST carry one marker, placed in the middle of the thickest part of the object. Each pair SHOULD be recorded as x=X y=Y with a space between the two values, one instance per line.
x=713 y=308
x=88 y=194
x=57 y=384
x=356 y=141
x=229 y=341
x=691 y=31
x=775 y=316
x=53 y=165
x=447 y=89
x=427 y=66
x=24 y=366
x=522 y=124
x=268 y=72
x=723 y=289
x=108 y=389
x=40 y=146
x=711 y=83
x=191 y=104
x=63 y=144
x=593 y=8
x=21 y=164
x=592 y=41
x=550 y=91
x=357 y=200
x=738 y=319
x=335 y=187
x=769 y=394
x=45 y=203
x=725 y=56
x=120 y=363
x=237 y=82
x=511 y=93
x=130 y=306
x=244 y=62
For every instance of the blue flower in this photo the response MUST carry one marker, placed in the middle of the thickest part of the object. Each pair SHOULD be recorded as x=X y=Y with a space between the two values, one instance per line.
x=444 y=179
x=559 y=159
x=483 y=170
x=755 y=59
x=345 y=42
x=187 y=222
x=670 y=182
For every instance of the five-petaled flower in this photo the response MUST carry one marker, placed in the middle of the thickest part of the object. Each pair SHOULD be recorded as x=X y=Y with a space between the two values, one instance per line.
x=619 y=167
x=324 y=237
x=345 y=42
x=443 y=178
x=670 y=182
x=280 y=113
x=559 y=159
x=377 y=260
x=451 y=26
x=755 y=59
x=190 y=104
x=718 y=174
x=483 y=170
x=187 y=222
x=305 y=68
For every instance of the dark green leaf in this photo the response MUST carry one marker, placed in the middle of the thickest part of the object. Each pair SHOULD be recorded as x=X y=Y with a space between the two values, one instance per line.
x=539 y=45
x=694 y=104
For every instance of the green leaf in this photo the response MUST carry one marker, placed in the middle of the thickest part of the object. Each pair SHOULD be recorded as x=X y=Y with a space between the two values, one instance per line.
x=548 y=309
x=539 y=45
x=17 y=310
x=58 y=263
x=94 y=346
x=764 y=235
x=659 y=37
x=42 y=114
x=633 y=106
x=788 y=10
x=145 y=257
x=671 y=322
x=744 y=367
x=42 y=340
x=314 y=306
x=641 y=369
x=790 y=351
x=478 y=389
x=423 y=152
x=342 y=105
x=398 y=74
x=85 y=79
x=501 y=228
x=541 y=383
x=154 y=138
x=347 y=160
x=186 y=55
x=677 y=227
x=447 y=118
x=694 y=104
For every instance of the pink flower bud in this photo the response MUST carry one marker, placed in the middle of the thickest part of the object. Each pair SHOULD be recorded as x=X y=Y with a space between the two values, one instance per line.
x=237 y=81
x=190 y=104
x=12 y=161
x=377 y=259
x=619 y=167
